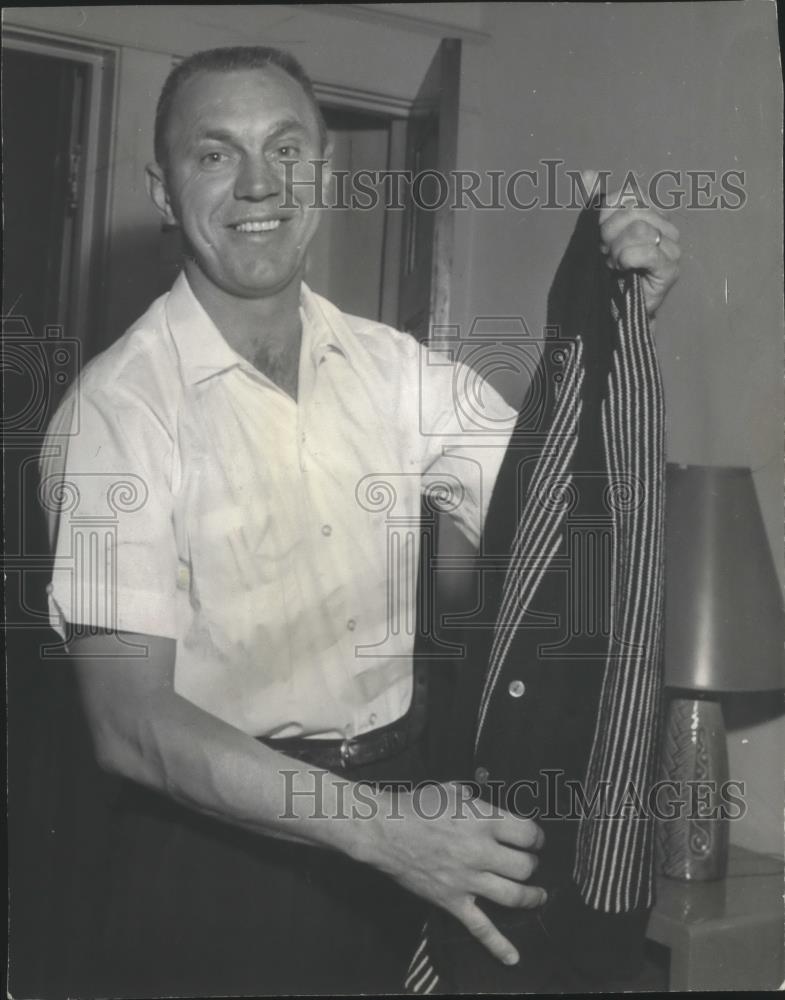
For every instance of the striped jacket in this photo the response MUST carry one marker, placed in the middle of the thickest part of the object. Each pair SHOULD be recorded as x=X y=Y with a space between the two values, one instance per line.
x=556 y=711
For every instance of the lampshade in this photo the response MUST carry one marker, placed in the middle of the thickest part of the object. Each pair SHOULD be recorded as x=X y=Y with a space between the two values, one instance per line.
x=724 y=616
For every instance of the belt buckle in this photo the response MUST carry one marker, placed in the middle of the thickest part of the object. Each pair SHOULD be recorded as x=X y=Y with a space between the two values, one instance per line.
x=346 y=751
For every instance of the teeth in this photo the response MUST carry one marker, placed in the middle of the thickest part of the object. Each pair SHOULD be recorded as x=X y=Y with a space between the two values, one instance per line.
x=258 y=227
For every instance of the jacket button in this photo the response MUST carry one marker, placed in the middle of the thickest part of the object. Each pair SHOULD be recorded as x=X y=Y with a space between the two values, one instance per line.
x=481 y=775
x=516 y=688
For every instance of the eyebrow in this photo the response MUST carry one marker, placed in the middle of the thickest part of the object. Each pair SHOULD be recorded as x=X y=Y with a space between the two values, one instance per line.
x=280 y=127
x=287 y=125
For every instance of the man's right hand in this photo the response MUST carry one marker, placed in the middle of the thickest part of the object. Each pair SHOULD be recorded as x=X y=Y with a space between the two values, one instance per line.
x=467 y=849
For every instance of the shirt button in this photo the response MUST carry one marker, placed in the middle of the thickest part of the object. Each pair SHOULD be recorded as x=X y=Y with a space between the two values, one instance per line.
x=516 y=688
x=372 y=719
x=351 y=624
x=481 y=775
x=326 y=529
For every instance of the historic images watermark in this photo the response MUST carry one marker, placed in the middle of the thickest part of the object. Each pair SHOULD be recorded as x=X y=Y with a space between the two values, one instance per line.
x=550 y=796
x=548 y=185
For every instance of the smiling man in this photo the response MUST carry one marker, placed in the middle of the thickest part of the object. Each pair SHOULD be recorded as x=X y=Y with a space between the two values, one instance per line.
x=218 y=646
x=221 y=643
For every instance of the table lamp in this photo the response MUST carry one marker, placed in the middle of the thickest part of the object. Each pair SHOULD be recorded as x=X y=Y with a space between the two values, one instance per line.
x=724 y=624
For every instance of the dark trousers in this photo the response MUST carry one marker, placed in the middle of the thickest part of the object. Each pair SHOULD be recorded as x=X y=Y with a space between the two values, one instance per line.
x=564 y=947
x=197 y=908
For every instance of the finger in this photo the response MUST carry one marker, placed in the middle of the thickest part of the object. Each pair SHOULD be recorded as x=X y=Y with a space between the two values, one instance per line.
x=645 y=258
x=505 y=892
x=480 y=927
x=641 y=235
x=518 y=832
x=671 y=250
x=631 y=198
x=617 y=221
x=617 y=203
x=465 y=793
x=513 y=864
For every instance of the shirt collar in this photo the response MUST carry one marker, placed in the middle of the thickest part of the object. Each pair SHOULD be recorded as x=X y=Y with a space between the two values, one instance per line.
x=203 y=352
x=324 y=326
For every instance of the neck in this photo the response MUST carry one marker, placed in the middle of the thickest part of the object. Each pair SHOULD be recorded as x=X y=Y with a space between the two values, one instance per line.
x=251 y=326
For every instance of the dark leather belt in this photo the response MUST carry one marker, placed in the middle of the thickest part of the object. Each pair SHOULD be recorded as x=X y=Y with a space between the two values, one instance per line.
x=378 y=744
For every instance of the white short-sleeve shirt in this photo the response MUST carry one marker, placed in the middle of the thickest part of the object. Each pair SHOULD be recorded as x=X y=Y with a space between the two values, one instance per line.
x=276 y=541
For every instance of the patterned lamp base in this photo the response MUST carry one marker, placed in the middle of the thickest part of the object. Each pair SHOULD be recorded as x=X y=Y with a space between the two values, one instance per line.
x=694 y=844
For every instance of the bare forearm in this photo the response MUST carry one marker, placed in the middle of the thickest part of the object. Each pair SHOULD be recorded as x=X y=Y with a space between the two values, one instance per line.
x=144 y=731
x=215 y=769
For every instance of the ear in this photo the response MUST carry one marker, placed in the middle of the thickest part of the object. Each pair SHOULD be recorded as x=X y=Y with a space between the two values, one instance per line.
x=159 y=195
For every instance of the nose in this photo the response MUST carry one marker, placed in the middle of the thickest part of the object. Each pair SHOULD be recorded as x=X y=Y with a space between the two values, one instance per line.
x=256 y=180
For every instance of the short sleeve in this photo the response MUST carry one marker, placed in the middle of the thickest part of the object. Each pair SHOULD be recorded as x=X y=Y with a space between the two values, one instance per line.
x=106 y=492
x=465 y=427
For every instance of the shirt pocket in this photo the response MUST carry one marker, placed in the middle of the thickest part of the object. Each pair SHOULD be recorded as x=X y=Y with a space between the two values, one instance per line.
x=237 y=559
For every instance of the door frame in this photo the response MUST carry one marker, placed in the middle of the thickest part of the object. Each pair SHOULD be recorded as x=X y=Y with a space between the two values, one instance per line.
x=357 y=99
x=400 y=112
x=397 y=111
x=86 y=263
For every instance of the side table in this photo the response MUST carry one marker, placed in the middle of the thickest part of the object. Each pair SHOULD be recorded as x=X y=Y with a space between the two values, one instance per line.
x=728 y=934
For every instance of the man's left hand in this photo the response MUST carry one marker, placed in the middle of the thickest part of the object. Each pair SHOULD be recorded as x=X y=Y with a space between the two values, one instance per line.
x=639 y=238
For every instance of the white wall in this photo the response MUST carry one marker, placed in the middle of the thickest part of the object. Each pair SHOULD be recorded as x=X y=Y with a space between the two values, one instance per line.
x=336 y=46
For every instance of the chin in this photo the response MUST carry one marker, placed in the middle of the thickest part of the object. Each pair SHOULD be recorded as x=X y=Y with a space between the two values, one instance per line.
x=260 y=288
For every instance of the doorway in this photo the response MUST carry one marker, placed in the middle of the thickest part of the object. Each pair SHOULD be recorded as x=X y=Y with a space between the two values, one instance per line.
x=42 y=126
x=56 y=111
x=346 y=260
x=56 y=98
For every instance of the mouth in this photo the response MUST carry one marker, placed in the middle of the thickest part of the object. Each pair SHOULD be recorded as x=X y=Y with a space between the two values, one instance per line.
x=256 y=226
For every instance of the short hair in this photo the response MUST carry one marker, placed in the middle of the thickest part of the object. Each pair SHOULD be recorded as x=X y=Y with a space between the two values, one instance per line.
x=227 y=60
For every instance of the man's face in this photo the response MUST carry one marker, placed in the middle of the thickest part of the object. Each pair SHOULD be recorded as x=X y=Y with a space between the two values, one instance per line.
x=228 y=137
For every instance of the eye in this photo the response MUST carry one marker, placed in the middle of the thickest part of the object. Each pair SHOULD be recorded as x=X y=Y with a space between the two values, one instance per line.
x=214 y=158
x=288 y=151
